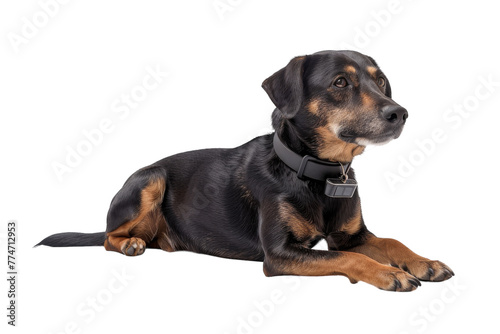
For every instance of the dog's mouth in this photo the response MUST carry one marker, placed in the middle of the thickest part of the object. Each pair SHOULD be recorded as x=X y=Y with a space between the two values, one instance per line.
x=350 y=136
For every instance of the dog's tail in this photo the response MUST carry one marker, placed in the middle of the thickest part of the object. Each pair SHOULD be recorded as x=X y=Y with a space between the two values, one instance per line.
x=72 y=239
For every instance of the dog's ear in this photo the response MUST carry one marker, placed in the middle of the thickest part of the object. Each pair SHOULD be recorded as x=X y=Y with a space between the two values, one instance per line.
x=286 y=87
x=388 y=91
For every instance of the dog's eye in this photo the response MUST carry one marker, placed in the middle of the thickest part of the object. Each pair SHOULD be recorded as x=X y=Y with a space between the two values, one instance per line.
x=381 y=82
x=340 y=82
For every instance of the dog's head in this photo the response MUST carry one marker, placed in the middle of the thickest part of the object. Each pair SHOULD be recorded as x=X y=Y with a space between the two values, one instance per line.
x=337 y=102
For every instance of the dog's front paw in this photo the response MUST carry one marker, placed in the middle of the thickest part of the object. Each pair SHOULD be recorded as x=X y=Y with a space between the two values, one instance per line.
x=427 y=270
x=391 y=279
x=398 y=280
x=133 y=246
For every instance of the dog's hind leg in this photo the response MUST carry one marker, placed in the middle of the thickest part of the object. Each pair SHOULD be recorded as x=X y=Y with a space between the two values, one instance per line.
x=135 y=219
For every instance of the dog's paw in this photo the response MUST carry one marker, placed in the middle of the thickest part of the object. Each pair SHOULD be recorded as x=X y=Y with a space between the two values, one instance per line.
x=133 y=246
x=427 y=270
x=393 y=279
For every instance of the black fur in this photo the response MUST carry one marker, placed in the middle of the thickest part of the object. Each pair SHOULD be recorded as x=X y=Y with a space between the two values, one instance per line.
x=70 y=239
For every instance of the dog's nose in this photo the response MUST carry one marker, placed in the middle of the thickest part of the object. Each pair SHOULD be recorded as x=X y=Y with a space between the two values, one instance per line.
x=395 y=114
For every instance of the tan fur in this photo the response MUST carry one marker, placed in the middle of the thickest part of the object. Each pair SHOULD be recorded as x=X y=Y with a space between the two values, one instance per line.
x=148 y=224
x=300 y=227
x=350 y=69
x=330 y=147
x=367 y=101
x=372 y=70
x=313 y=107
x=353 y=225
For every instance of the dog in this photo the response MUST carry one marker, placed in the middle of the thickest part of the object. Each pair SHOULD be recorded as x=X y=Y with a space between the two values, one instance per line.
x=273 y=198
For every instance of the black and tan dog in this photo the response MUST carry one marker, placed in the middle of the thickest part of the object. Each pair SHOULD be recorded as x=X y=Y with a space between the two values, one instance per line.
x=247 y=203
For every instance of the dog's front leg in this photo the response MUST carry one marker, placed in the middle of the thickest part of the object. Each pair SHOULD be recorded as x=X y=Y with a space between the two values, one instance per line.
x=394 y=253
x=356 y=267
x=285 y=233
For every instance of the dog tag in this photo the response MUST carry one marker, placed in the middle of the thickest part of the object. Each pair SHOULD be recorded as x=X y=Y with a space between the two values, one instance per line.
x=338 y=188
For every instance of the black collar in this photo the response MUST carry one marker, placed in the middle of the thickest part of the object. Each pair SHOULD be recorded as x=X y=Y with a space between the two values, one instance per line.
x=308 y=166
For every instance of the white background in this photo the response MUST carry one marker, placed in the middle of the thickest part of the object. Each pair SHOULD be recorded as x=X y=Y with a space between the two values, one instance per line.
x=67 y=76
